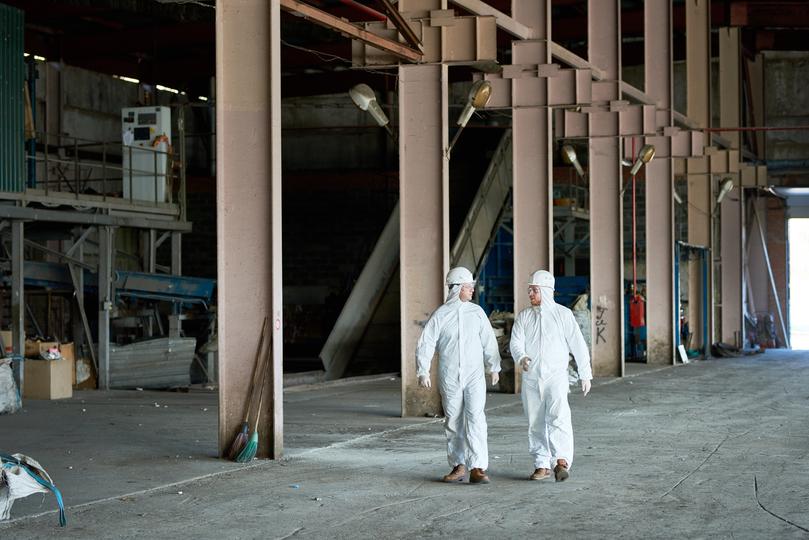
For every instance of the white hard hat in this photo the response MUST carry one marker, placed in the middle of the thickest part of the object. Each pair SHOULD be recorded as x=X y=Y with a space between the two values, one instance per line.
x=542 y=278
x=459 y=275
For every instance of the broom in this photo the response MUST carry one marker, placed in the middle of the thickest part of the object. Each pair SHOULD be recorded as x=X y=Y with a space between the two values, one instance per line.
x=249 y=451
x=241 y=439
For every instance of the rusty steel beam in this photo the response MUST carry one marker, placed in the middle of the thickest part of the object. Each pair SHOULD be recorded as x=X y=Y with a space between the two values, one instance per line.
x=327 y=20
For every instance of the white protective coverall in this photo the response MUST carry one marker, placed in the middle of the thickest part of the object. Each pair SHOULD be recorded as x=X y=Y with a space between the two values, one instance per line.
x=546 y=334
x=464 y=338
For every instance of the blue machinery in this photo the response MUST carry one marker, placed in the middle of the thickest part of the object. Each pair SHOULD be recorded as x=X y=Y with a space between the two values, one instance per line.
x=683 y=249
x=496 y=290
x=179 y=290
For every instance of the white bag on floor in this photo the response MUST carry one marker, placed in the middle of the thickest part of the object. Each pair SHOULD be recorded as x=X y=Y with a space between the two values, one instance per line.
x=16 y=483
x=9 y=396
x=21 y=476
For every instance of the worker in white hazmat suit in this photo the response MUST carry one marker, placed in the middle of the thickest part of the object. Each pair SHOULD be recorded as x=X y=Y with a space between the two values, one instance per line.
x=465 y=340
x=542 y=337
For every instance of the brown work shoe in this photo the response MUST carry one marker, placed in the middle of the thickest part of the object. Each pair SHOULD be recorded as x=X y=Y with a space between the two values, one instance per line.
x=456 y=475
x=478 y=476
x=561 y=470
x=540 y=474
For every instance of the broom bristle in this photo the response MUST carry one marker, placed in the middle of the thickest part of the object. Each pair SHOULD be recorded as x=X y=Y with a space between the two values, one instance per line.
x=249 y=451
x=238 y=443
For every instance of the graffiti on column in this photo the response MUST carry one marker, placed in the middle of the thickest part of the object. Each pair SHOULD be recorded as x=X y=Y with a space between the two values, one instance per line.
x=601 y=325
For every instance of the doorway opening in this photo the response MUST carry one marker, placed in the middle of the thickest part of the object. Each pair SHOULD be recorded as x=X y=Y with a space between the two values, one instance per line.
x=798 y=285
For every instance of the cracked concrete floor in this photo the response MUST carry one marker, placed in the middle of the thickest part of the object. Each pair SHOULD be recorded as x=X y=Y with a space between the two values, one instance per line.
x=713 y=449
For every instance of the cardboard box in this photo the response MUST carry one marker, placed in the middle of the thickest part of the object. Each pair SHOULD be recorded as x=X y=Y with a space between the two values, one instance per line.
x=47 y=379
x=33 y=349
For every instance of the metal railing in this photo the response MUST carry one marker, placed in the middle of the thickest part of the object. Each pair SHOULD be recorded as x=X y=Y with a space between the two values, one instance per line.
x=67 y=164
x=82 y=166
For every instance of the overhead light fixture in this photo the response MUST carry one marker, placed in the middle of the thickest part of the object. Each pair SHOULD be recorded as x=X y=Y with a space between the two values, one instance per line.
x=676 y=196
x=724 y=189
x=364 y=98
x=645 y=156
x=569 y=157
x=479 y=96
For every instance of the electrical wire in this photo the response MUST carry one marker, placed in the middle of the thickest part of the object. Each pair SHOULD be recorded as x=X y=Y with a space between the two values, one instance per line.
x=328 y=57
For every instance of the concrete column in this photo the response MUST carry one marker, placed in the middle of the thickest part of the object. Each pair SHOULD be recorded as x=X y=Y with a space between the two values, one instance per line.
x=700 y=199
x=248 y=188
x=106 y=247
x=606 y=227
x=532 y=157
x=18 y=299
x=660 y=325
x=424 y=219
x=730 y=224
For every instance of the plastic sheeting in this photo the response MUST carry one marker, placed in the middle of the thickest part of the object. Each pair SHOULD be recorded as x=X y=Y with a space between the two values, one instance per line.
x=9 y=395
x=582 y=315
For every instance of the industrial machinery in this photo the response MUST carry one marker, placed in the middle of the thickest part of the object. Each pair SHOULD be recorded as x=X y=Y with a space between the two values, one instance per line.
x=146 y=135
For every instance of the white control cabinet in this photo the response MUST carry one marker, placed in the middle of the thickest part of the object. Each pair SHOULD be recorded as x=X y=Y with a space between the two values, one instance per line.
x=146 y=133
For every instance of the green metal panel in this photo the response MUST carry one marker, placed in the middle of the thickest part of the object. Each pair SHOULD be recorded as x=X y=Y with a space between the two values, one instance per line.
x=12 y=79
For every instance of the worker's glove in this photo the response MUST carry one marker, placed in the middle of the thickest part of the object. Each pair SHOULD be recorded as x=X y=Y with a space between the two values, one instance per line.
x=424 y=381
x=585 y=387
x=525 y=363
x=495 y=378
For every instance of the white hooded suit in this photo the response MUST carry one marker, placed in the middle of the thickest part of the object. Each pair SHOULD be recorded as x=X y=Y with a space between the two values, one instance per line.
x=464 y=338
x=547 y=334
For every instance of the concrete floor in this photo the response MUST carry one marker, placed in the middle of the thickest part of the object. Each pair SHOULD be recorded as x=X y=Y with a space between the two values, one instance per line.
x=715 y=449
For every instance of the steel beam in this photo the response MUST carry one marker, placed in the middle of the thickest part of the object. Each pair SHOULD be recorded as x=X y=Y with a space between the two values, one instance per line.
x=700 y=198
x=532 y=155
x=18 y=300
x=60 y=216
x=424 y=218
x=248 y=186
x=606 y=224
x=446 y=38
x=327 y=20
x=658 y=83
x=730 y=224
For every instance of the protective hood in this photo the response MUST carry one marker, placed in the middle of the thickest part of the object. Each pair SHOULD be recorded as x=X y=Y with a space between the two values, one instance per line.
x=453 y=295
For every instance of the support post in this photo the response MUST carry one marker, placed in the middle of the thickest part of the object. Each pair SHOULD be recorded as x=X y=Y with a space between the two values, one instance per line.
x=424 y=218
x=532 y=156
x=18 y=300
x=248 y=179
x=658 y=81
x=730 y=224
x=700 y=198
x=606 y=222
x=176 y=253
x=106 y=247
